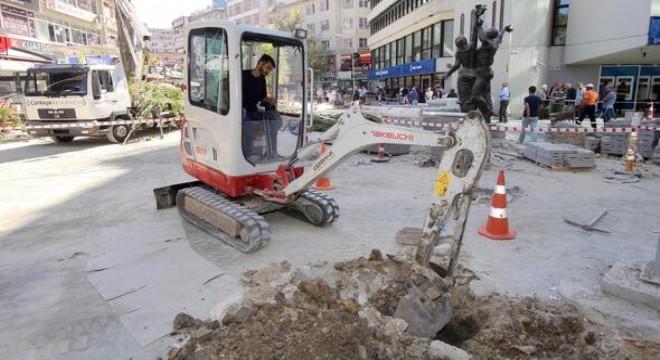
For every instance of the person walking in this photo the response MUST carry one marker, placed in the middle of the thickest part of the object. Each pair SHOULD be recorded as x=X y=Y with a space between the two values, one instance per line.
x=569 y=106
x=589 y=105
x=530 y=114
x=543 y=94
x=579 y=98
x=505 y=95
x=413 y=96
x=608 y=103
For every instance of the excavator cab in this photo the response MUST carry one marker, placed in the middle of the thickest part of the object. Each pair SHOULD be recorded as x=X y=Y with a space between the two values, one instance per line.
x=220 y=144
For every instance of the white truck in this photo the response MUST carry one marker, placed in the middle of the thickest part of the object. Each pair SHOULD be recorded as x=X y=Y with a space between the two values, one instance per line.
x=73 y=94
x=67 y=100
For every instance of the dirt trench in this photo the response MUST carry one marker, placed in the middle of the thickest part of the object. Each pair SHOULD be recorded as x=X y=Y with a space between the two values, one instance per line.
x=314 y=312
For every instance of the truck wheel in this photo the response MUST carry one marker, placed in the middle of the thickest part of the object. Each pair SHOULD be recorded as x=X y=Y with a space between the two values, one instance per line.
x=118 y=133
x=62 y=139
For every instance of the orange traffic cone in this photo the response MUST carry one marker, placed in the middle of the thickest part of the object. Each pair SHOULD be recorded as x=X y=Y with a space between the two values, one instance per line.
x=381 y=154
x=497 y=227
x=323 y=183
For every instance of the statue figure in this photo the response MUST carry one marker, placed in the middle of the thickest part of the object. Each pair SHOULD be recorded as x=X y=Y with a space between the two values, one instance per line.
x=464 y=63
x=475 y=64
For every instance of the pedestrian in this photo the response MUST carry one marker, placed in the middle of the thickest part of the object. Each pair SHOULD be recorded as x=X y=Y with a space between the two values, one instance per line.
x=356 y=94
x=571 y=95
x=505 y=95
x=543 y=94
x=608 y=103
x=589 y=105
x=413 y=96
x=530 y=114
x=579 y=97
x=319 y=95
x=452 y=94
x=429 y=93
x=437 y=93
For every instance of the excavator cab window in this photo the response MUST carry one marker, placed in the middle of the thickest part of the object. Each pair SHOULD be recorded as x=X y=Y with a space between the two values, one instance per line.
x=274 y=132
x=208 y=72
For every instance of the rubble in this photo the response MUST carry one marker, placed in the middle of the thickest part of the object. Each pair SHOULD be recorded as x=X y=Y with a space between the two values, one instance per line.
x=346 y=313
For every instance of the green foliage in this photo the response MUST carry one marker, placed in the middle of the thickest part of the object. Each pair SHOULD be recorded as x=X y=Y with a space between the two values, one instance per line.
x=157 y=98
x=287 y=21
x=5 y=113
x=323 y=123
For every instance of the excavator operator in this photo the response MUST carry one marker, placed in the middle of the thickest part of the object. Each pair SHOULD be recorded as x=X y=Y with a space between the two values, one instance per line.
x=254 y=92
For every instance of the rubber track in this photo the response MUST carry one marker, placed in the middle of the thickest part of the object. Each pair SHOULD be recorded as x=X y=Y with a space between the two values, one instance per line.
x=324 y=203
x=257 y=227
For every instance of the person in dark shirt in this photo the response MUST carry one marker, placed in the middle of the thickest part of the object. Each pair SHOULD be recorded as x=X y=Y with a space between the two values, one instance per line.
x=530 y=114
x=254 y=92
x=452 y=94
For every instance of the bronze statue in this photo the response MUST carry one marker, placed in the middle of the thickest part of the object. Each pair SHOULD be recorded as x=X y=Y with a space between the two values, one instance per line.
x=475 y=63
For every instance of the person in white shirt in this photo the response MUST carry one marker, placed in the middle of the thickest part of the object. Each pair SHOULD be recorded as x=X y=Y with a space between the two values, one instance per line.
x=505 y=95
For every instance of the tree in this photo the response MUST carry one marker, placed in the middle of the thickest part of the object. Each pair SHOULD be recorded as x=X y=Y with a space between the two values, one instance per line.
x=316 y=55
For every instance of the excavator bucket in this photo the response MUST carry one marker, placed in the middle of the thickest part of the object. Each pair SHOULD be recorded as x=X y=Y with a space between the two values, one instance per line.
x=426 y=307
x=425 y=316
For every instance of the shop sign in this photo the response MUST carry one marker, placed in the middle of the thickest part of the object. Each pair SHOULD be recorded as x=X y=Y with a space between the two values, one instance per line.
x=18 y=21
x=30 y=45
x=70 y=10
x=419 y=67
x=28 y=4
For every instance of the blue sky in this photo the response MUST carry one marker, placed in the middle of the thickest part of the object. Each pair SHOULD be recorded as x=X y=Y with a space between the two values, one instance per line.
x=160 y=13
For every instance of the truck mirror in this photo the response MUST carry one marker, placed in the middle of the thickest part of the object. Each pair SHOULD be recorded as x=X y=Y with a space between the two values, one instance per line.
x=96 y=85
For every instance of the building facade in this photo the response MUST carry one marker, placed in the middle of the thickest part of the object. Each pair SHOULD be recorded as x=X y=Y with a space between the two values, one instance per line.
x=209 y=13
x=179 y=38
x=163 y=50
x=250 y=12
x=553 y=41
x=61 y=28
x=411 y=42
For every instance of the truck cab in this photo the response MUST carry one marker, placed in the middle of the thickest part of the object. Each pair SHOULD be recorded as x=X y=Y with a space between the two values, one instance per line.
x=76 y=95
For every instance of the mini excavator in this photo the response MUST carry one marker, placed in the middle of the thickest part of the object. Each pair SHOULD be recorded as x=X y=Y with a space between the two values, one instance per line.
x=241 y=177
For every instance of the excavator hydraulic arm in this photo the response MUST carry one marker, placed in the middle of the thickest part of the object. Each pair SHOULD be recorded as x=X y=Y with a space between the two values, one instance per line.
x=426 y=307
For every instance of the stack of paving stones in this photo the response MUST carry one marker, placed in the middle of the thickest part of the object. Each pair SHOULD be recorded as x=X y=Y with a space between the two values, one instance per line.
x=617 y=143
x=560 y=155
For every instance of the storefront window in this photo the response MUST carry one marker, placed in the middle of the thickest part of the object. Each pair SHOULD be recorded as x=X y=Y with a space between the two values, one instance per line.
x=417 y=46
x=448 y=38
x=56 y=33
x=426 y=43
x=42 y=31
x=386 y=63
x=77 y=36
x=436 y=50
x=409 y=49
x=560 y=22
x=18 y=21
x=400 y=51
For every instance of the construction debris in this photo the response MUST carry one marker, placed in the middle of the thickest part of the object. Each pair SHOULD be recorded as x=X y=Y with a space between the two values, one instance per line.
x=560 y=155
x=347 y=313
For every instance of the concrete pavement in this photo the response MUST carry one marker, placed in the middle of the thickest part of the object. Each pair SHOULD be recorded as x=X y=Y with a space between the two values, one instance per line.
x=62 y=204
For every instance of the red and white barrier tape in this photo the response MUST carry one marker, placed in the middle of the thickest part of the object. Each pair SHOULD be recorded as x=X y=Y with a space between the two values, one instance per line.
x=579 y=130
x=87 y=124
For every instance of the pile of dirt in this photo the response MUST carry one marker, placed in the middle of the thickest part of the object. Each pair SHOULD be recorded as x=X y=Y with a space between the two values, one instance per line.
x=346 y=312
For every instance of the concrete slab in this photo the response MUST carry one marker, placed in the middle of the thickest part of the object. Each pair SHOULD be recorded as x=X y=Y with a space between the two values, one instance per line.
x=150 y=274
x=623 y=281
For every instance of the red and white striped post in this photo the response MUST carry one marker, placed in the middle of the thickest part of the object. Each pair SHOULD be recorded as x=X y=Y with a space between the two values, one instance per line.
x=382 y=157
